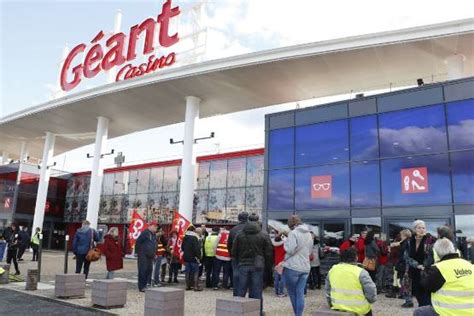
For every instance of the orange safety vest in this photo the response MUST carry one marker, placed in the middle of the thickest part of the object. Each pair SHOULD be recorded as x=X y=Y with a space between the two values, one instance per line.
x=160 y=249
x=222 y=250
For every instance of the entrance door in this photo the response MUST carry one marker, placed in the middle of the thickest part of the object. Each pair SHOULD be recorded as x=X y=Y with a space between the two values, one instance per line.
x=333 y=234
x=394 y=225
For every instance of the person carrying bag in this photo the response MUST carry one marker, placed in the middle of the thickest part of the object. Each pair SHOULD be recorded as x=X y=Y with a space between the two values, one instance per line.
x=83 y=247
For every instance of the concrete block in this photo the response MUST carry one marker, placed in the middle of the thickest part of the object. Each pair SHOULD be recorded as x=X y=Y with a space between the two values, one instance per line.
x=32 y=280
x=238 y=305
x=164 y=301
x=332 y=313
x=109 y=301
x=108 y=293
x=156 y=312
x=164 y=294
x=109 y=285
x=69 y=293
x=162 y=305
x=70 y=278
x=228 y=313
x=5 y=277
x=69 y=285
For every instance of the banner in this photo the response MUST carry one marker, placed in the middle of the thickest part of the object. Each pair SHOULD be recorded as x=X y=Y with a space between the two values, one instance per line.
x=180 y=225
x=137 y=225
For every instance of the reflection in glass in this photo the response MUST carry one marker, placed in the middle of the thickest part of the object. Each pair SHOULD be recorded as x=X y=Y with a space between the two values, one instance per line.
x=255 y=171
x=364 y=138
x=156 y=179
x=395 y=226
x=218 y=177
x=463 y=176
x=132 y=181
x=235 y=203
x=461 y=124
x=253 y=200
x=465 y=225
x=201 y=206
x=216 y=205
x=365 y=184
x=119 y=185
x=143 y=180
x=371 y=223
x=281 y=149
x=280 y=190
x=108 y=184
x=170 y=179
x=236 y=172
x=333 y=234
x=203 y=175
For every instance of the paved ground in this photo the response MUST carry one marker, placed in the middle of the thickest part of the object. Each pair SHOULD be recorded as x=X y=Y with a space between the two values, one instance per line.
x=196 y=303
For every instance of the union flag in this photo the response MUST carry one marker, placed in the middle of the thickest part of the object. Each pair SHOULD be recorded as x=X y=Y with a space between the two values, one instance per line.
x=180 y=224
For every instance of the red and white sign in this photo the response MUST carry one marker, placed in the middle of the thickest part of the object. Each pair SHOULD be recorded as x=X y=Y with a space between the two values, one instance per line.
x=117 y=51
x=7 y=203
x=180 y=225
x=321 y=187
x=137 y=225
x=414 y=180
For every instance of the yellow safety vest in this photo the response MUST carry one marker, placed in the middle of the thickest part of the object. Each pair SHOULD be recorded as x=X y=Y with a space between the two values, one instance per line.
x=35 y=239
x=456 y=297
x=437 y=259
x=209 y=245
x=2 y=271
x=347 y=293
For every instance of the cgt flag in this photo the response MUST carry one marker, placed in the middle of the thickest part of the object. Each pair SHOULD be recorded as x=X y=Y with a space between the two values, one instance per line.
x=137 y=225
x=180 y=225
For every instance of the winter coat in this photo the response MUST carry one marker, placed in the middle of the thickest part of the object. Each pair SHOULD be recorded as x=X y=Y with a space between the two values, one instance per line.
x=278 y=251
x=421 y=256
x=191 y=247
x=112 y=251
x=251 y=243
x=360 y=247
x=315 y=258
x=372 y=250
x=233 y=234
x=82 y=242
x=11 y=236
x=146 y=245
x=298 y=247
x=24 y=238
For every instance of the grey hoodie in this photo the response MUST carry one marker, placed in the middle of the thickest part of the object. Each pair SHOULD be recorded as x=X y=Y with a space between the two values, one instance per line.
x=298 y=247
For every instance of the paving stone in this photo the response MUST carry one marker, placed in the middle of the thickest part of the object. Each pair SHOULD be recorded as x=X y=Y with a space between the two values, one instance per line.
x=238 y=304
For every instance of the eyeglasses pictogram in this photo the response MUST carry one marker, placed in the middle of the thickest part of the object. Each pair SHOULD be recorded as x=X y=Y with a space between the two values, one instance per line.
x=321 y=187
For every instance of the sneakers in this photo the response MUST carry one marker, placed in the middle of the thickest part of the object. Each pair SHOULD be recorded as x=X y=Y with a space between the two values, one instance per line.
x=407 y=305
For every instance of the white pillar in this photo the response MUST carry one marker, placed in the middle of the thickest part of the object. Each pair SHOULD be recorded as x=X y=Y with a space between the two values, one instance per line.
x=455 y=66
x=23 y=156
x=97 y=171
x=5 y=157
x=186 y=193
x=45 y=171
x=117 y=25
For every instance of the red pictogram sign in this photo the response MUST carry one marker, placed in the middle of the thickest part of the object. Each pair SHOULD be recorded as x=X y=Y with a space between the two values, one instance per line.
x=321 y=187
x=414 y=180
x=7 y=203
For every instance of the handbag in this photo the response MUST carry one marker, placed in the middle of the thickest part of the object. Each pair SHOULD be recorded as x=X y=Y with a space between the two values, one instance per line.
x=370 y=264
x=94 y=253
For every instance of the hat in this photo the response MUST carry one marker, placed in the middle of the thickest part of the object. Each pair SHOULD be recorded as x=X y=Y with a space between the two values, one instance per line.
x=215 y=229
x=243 y=216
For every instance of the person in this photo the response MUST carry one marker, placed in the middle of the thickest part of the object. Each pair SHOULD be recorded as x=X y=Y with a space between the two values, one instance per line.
x=82 y=242
x=348 y=287
x=253 y=251
x=278 y=256
x=401 y=268
x=24 y=242
x=372 y=251
x=450 y=282
x=243 y=219
x=145 y=247
x=418 y=256
x=35 y=241
x=222 y=262
x=470 y=249
x=381 y=272
x=192 y=254
x=160 y=255
x=360 y=245
x=446 y=232
x=209 y=254
x=350 y=242
x=174 y=258
x=298 y=248
x=112 y=250
x=13 y=242
x=315 y=263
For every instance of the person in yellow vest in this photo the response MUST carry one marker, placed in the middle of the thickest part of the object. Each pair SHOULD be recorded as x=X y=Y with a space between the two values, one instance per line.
x=222 y=261
x=451 y=283
x=349 y=287
x=210 y=246
x=160 y=256
x=446 y=232
x=35 y=241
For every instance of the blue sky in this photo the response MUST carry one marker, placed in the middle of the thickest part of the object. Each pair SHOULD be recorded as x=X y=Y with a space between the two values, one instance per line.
x=34 y=33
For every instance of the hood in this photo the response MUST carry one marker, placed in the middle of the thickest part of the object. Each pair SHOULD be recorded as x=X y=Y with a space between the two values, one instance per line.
x=302 y=229
x=252 y=228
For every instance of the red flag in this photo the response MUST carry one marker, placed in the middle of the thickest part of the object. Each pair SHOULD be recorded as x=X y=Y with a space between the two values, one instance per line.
x=180 y=225
x=137 y=225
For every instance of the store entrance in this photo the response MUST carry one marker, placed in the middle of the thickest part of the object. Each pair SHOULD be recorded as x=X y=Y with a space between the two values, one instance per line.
x=394 y=225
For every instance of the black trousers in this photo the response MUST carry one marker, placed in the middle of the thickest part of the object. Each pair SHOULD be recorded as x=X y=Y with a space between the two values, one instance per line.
x=12 y=254
x=173 y=273
x=314 y=278
x=35 y=252
x=21 y=251
x=145 y=269
x=80 y=261
x=208 y=266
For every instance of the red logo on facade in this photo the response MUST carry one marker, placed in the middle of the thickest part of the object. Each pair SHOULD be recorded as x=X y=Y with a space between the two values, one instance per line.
x=321 y=187
x=7 y=203
x=116 y=54
x=414 y=180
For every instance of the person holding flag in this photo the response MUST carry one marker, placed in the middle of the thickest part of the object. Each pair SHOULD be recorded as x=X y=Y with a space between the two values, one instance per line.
x=192 y=254
x=145 y=248
x=174 y=257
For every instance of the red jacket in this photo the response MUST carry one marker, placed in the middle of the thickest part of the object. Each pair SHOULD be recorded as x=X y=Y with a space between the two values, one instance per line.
x=278 y=251
x=345 y=245
x=383 y=256
x=360 y=246
x=112 y=250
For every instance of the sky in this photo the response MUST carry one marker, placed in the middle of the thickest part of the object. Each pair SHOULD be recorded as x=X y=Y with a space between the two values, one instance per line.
x=33 y=35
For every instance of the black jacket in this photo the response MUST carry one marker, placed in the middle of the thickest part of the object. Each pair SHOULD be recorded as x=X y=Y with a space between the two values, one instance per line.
x=145 y=246
x=191 y=247
x=233 y=234
x=250 y=243
x=12 y=238
x=24 y=238
x=432 y=279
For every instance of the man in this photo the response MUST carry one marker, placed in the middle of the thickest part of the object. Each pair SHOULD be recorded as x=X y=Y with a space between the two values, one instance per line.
x=81 y=244
x=348 y=287
x=222 y=261
x=24 y=242
x=210 y=245
x=145 y=249
x=382 y=272
x=360 y=246
x=253 y=251
x=160 y=255
x=450 y=282
x=35 y=241
x=192 y=254
x=243 y=218
x=11 y=236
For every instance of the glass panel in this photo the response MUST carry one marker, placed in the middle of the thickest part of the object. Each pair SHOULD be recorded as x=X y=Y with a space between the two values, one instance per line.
x=365 y=184
x=216 y=205
x=115 y=209
x=143 y=180
x=332 y=237
x=395 y=226
x=203 y=175
x=371 y=223
x=416 y=181
x=414 y=131
x=255 y=170
x=132 y=182
x=463 y=176
x=156 y=180
x=236 y=172
x=464 y=230
x=169 y=201
x=170 y=179
x=218 y=177
x=322 y=187
x=364 y=138
x=253 y=198
x=119 y=185
x=322 y=143
x=108 y=184
x=281 y=148
x=280 y=190
x=201 y=206
x=235 y=203
x=461 y=124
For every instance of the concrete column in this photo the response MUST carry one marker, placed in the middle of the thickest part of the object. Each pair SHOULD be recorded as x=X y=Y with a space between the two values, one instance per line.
x=97 y=171
x=186 y=193
x=45 y=172
x=5 y=157
x=455 y=66
x=23 y=155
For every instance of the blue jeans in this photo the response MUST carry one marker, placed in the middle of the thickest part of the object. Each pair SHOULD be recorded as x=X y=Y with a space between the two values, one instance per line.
x=156 y=275
x=192 y=268
x=145 y=269
x=295 y=282
x=251 y=279
x=110 y=275
x=278 y=283
x=218 y=265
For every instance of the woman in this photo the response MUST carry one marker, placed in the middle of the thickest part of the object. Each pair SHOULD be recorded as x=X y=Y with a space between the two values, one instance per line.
x=298 y=247
x=35 y=241
x=371 y=252
x=174 y=259
x=315 y=262
x=113 y=252
x=278 y=256
x=418 y=255
x=401 y=269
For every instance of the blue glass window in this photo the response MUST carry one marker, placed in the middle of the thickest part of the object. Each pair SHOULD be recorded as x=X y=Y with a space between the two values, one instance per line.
x=463 y=176
x=322 y=187
x=414 y=131
x=438 y=189
x=280 y=189
x=322 y=143
x=461 y=124
x=364 y=138
x=281 y=148
x=365 y=184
